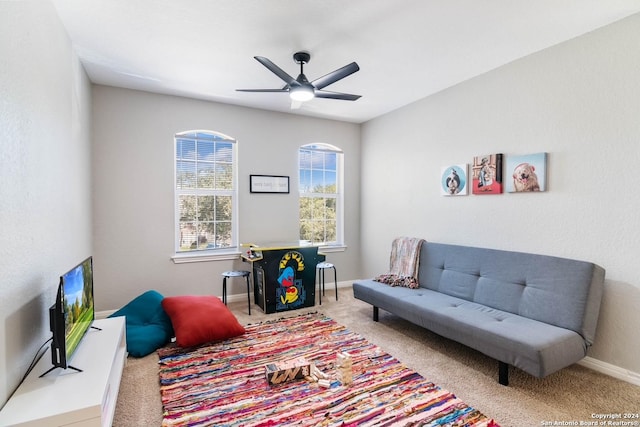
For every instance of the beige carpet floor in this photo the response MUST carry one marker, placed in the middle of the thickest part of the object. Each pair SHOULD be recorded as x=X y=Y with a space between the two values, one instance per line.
x=572 y=395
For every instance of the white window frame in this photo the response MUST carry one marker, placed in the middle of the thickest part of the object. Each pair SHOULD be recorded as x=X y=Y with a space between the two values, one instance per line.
x=338 y=245
x=214 y=254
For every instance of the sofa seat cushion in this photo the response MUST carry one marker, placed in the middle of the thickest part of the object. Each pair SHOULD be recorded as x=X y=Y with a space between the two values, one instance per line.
x=380 y=294
x=528 y=344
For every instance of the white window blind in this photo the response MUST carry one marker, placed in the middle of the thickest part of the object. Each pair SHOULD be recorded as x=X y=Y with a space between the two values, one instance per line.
x=320 y=206
x=205 y=191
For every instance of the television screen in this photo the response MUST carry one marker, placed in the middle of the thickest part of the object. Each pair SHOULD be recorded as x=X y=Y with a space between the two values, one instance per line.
x=77 y=285
x=72 y=314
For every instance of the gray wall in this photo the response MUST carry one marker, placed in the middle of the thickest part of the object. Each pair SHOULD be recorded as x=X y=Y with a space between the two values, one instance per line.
x=133 y=155
x=578 y=101
x=45 y=213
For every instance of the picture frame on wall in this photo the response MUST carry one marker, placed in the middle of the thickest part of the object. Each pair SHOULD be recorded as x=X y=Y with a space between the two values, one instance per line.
x=526 y=173
x=454 y=180
x=278 y=184
x=486 y=174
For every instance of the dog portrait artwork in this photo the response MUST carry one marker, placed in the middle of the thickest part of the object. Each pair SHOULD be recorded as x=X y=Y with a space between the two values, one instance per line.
x=527 y=174
x=487 y=174
x=454 y=180
x=525 y=178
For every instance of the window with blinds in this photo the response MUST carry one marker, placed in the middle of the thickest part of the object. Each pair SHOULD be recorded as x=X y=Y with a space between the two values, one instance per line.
x=320 y=206
x=205 y=191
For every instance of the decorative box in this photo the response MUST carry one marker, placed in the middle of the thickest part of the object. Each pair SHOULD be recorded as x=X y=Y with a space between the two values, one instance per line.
x=289 y=370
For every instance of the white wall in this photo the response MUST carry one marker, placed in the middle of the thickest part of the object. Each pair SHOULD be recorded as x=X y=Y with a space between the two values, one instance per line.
x=133 y=155
x=45 y=214
x=578 y=101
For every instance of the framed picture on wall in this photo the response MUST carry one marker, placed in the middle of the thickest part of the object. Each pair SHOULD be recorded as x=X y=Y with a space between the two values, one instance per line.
x=453 y=180
x=487 y=174
x=268 y=184
x=526 y=173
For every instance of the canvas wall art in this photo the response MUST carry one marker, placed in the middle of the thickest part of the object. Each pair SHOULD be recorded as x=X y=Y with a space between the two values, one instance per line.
x=453 y=181
x=527 y=173
x=487 y=174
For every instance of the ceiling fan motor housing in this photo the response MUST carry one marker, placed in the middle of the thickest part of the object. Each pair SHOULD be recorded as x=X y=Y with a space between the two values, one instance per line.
x=302 y=57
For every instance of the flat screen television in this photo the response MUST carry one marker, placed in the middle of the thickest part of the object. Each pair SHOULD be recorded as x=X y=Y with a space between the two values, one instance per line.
x=72 y=314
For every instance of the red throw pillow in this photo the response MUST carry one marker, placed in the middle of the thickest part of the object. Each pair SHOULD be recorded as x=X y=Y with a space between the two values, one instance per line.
x=198 y=319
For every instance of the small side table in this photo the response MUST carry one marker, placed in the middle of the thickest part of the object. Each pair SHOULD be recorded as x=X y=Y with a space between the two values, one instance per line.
x=320 y=268
x=236 y=273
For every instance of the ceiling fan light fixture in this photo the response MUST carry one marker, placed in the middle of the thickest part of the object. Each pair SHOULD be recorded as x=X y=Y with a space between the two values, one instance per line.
x=301 y=93
x=301 y=89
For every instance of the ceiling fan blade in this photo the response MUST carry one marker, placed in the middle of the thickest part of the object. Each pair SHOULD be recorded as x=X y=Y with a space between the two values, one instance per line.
x=336 y=95
x=336 y=75
x=262 y=90
x=276 y=70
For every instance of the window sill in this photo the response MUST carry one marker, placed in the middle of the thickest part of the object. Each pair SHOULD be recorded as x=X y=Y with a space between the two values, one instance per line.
x=331 y=249
x=184 y=258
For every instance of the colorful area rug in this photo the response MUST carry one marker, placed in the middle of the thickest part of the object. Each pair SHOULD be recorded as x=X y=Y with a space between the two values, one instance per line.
x=224 y=384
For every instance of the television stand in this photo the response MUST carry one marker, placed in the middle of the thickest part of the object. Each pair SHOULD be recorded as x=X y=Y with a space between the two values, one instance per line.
x=56 y=367
x=86 y=398
x=69 y=366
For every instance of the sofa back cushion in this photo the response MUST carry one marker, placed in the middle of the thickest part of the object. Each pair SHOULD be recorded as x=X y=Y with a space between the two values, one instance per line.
x=558 y=291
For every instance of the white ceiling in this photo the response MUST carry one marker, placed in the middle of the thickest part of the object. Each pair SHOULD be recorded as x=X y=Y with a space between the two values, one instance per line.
x=406 y=49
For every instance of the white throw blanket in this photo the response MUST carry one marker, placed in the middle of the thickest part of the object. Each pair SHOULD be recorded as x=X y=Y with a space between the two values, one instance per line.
x=403 y=263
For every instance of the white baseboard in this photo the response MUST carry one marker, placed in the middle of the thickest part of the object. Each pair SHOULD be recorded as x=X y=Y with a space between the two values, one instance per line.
x=104 y=314
x=611 y=370
x=329 y=286
x=233 y=298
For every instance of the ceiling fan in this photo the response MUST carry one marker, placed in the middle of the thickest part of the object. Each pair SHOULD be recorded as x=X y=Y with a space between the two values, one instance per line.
x=300 y=89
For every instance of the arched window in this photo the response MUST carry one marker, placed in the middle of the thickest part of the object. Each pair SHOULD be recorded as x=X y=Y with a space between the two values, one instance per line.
x=320 y=181
x=205 y=192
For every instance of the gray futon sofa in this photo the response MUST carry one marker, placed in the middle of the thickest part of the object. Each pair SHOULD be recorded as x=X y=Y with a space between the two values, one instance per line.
x=535 y=312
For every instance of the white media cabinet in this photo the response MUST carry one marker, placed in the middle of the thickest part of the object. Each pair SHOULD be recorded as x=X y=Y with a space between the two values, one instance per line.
x=65 y=397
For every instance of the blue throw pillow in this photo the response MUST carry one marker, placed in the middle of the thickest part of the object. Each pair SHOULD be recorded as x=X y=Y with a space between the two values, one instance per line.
x=148 y=326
